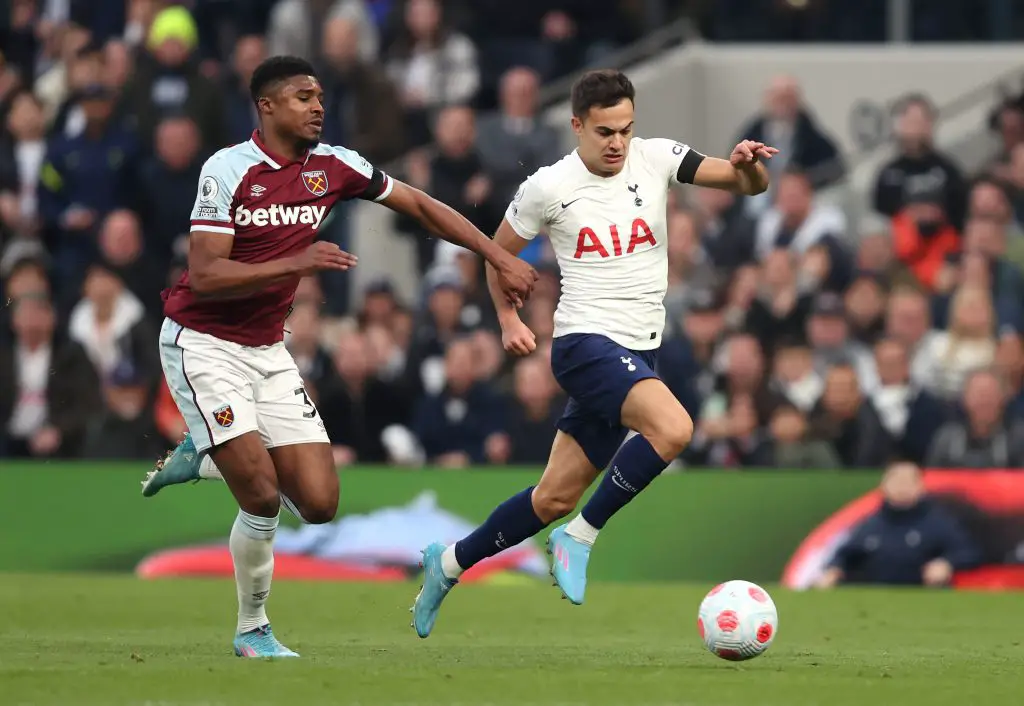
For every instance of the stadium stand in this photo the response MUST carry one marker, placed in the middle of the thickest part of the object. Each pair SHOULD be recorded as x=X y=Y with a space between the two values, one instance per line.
x=870 y=305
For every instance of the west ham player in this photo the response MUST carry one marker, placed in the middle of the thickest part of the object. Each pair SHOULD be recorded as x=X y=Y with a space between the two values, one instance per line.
x=255 y=220
x=604 y=209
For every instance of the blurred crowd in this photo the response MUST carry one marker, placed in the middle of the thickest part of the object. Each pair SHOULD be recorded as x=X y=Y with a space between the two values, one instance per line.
x=794 y=338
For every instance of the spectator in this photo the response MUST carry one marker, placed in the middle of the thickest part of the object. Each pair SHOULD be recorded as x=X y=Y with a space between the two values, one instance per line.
x=455 y=175
x=924 y=237
x=780 y=309
x=1015 y=181
x=534 y=416
x=729 y=432
x=513 y=142
x=303 y=342
x=380 y=303
x=23 y=273
x=983 y=264
x=432 y=65
x=84 y=70
x=1010 y=364
x=788 y=445
x=910 y=415
x=83 y=179
x=457 y=426
x=909 y=540
x=828 y=334
x=353 y=404
x=169 y=181
x=21 y=160
x=864 y=303
x=919 y=168
x=1008 y=122
x=797 y=224
x=794 y=376
x=362 y=107
x=239 y=109
x=786 y=122
x=109 y=323
x=688 y=270
x=167 y=80
x=117 y=65
x=52 y=389
x=438 y=326
x=122 y=250
x=968 y=344
x=908 y=321
x=457 y=262
x=292 y=23
x=847 y=419
x=985 y=438
x=686 y=357
x=125 y=428
x=76 y=57
x=727 y=232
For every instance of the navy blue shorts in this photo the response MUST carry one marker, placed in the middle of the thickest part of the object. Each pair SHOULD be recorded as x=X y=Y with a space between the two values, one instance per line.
x=597 y=374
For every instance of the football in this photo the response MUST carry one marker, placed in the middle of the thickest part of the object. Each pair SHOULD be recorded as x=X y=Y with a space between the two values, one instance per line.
x=737 y=620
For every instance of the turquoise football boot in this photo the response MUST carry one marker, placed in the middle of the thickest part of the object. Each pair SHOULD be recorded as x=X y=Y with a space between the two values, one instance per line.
x=260 y=643
x=179 y=466
x=569 y=564
x=433 y=591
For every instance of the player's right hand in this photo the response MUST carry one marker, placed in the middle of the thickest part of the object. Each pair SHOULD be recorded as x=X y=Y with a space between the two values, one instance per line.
x=323 y=255
x=516 y=278
x=517 y=338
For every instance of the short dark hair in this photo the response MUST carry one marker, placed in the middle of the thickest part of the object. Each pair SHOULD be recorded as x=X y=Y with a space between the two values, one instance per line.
x=602 y=88
x=275 y=69
x=921 y=100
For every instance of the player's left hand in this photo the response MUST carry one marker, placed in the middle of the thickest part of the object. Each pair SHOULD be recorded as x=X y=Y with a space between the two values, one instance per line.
x=750 y=152
x=937 y=572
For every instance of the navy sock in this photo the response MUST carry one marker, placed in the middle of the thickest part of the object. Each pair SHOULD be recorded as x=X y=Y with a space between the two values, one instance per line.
x=633 y=468
x=510 y=523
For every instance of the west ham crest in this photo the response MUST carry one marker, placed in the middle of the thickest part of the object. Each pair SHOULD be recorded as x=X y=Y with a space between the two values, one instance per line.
x=315 y=181
x=224 y=416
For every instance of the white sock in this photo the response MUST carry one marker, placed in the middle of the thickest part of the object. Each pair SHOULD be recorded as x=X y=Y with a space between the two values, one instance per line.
x=581 y=530
x=252 y=550
x=208 y=469
x=449 y=565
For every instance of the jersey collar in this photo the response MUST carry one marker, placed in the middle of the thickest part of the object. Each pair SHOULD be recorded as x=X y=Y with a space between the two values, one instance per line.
x=269 y=157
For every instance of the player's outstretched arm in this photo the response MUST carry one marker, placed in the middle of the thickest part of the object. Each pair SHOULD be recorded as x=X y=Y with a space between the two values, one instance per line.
x=516 y=337
x=742 y=173
x=515 y=277
x=213 y=274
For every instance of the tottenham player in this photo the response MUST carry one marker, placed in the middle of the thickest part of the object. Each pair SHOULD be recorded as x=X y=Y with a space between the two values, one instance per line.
x=604 y=209
x=255 y=220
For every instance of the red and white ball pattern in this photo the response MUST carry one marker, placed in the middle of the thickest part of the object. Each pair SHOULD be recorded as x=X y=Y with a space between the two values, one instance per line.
x=737 y=620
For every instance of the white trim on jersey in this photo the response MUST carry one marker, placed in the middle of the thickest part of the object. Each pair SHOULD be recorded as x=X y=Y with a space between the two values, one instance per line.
x=389 y=184
x=263 y=155
x=212 y=229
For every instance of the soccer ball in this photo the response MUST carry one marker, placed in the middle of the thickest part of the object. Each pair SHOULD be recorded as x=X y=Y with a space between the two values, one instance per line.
x=737 y=620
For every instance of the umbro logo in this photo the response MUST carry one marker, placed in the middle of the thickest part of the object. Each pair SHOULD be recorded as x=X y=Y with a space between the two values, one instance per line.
x=256 y=190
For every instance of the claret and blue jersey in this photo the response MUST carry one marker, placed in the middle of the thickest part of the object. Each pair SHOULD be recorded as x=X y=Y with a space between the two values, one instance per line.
x=272 y=208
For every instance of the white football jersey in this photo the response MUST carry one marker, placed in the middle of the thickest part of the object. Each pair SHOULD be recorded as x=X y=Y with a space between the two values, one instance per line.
x=608 y=234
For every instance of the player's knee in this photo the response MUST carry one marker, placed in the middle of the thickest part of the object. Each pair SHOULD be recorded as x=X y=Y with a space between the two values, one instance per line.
x=320 y=511
x=551 y=503
x=671 y=434
x=261 y=499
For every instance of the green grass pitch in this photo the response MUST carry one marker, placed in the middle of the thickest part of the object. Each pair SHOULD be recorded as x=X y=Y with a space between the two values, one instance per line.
x=85 y=639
